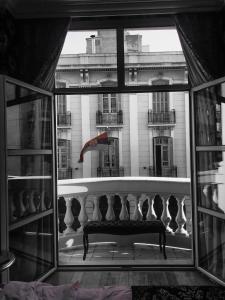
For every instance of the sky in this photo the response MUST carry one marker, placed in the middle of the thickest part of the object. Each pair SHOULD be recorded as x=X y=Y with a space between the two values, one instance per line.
x=158 y=40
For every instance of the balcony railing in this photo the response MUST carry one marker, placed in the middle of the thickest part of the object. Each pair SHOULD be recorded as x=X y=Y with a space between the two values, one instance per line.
x=110 y=172
x=139 y=198
x=112 y=119
x=164 y=172
x=65 y=173
x=64 y=119
x=156 y=118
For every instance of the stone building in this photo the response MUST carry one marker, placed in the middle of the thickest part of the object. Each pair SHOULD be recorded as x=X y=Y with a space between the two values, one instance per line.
x=148 y=132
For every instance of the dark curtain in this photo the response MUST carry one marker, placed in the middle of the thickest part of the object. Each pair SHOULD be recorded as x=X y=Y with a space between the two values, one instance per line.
x=39 y=44
x=202 y=36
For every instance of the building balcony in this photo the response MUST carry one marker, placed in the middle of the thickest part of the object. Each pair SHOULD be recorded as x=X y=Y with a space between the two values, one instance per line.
x=164 y=172
x=109 y=119
x=64 y=120
x=64 y=173
x=167 y=118
x=110 y=172
x=134 y=198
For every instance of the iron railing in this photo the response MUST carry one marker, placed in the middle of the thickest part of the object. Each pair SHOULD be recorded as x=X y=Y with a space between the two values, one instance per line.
x=110 y=172
x=65 y=173
x=64 y=119
x=165 y=117
x=109 y=118
x=164 y=172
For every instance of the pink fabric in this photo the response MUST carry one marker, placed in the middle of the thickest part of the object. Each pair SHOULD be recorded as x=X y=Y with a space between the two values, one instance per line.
x=17 y=290
x=43 y=291
x=108 y=292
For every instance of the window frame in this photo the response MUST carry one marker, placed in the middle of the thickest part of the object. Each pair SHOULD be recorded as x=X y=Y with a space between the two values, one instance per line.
x=154 y=22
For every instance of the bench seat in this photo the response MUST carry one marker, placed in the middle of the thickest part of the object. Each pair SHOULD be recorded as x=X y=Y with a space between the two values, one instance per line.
x=124 y=227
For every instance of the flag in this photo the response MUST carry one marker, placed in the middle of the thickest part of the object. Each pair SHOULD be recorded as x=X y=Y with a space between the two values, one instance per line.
x=97 y=143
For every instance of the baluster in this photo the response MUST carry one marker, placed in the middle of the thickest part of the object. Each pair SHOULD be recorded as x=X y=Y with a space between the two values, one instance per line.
x=83 y=217
x=97 y=216
x=110 y=216
x=22 y=208
x=166 y=217
x=123 y=213
x=32 y=208
x=151 y=216
x=42 y=201
x=181 y=218
x=68 y=219
x=137 y=215
x=12 y=208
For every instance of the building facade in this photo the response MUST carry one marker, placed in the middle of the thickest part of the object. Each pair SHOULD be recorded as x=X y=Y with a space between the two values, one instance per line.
x=148 y=132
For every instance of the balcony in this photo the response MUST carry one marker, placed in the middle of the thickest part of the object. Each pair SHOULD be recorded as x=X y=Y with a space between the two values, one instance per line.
x=110 y=172
x=64 y=120
x=166 y=118
x=125 y=198
x=64 y=173
x=109 y=119
x=164 y=172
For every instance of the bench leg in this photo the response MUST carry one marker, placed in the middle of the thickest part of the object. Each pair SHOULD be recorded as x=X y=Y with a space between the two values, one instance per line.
x=85 y=244
x=164 y=244
x=160 y=241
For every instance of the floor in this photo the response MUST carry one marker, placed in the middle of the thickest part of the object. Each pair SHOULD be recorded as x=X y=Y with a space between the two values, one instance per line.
x=114 y=253
x=91 y=279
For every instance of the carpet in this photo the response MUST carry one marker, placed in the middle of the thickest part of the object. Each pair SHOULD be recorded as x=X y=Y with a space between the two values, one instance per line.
x=178 y=292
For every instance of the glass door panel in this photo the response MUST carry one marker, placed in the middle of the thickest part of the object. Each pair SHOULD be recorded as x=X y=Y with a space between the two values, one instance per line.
x=209 y=157
x=31 y=180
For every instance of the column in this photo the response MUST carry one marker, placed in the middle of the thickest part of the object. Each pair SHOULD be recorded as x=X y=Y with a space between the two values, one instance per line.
x=68 y=219
x=110 y=216
x=181 y=218
x=151 y=216
x=120 y=135
x=165 y=217
x=124 y=213
x=134 y=144
x=83 y=218
x=97 y=216
x=86 y=135
x=187 y=132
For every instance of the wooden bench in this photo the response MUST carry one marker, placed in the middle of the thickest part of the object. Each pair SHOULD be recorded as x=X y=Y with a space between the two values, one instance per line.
x=125 y=228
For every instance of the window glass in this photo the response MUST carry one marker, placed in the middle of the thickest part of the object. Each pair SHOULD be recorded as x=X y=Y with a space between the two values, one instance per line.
x=149 y=54
x=211 y=180
x=211 y=244
x=210 y=116
x=29 y=124
x=88 y=59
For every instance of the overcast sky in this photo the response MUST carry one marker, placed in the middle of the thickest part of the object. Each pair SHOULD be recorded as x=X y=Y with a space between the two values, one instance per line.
x=158 y=40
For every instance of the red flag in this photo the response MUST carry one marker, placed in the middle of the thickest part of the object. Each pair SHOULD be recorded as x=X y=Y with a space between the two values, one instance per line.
x=97 y=143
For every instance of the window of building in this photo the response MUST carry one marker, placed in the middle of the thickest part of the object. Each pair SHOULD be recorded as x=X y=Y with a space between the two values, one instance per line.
x=109 y=103
x=64 y=153
x=61 y=100
x=163 y=153
x=160 y=99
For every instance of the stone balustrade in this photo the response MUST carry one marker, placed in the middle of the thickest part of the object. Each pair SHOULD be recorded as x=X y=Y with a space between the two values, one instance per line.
x=141 y=193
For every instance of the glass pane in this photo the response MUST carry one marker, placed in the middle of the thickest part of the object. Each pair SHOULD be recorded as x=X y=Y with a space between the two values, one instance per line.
x=119 y=124
x=19 y=93
x=210 y=115
x=29 y=124
x=212 y=244
x=149 y=55
x=29 y=186
x=88 y=59
x=33 y=246
x=29 y=165
x=211 y=180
